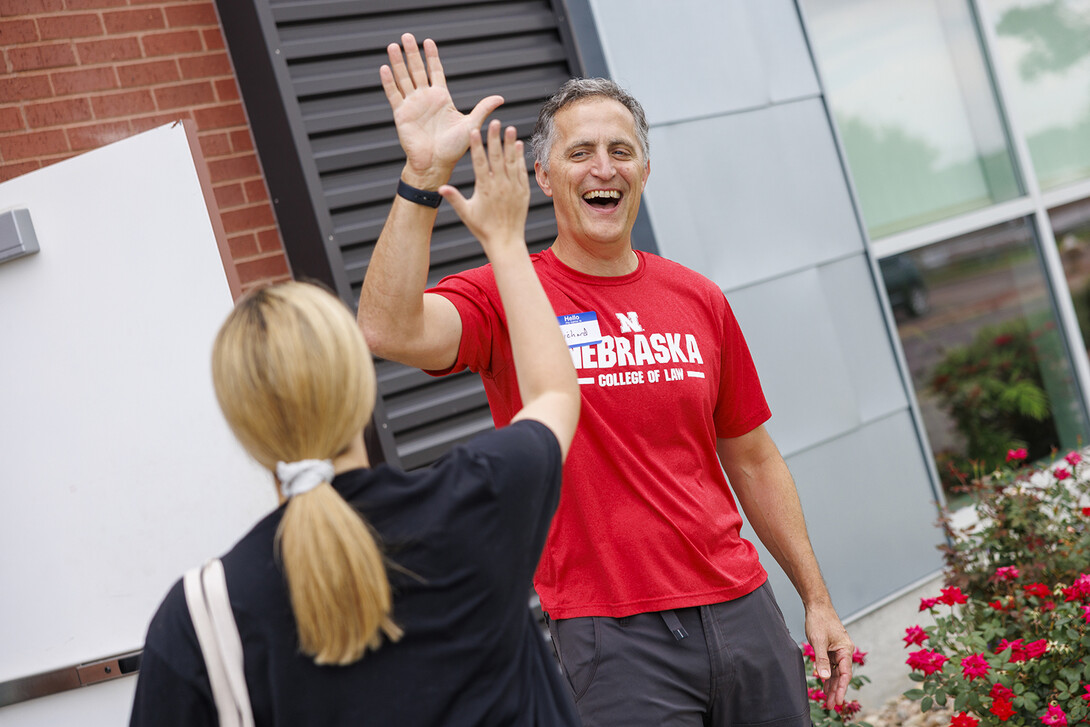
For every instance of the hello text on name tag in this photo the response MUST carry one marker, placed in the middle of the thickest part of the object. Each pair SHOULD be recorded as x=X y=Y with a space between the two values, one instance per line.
x=580 y=329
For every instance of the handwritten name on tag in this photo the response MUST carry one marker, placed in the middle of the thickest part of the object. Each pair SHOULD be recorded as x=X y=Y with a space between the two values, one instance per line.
x=580 y=329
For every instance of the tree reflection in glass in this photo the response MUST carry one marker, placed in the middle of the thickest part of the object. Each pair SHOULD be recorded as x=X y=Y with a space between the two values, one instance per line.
x=915 y=108
x=987 y=357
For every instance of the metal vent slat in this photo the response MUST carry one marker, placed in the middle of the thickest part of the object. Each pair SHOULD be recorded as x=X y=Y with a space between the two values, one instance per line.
x=353 y=35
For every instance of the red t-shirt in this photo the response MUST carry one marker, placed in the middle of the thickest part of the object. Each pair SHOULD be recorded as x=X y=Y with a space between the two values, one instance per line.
x=646 y=520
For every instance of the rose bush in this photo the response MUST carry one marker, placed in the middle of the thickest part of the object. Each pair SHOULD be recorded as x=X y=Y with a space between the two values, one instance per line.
x=1032 y=519
x=1010 y=644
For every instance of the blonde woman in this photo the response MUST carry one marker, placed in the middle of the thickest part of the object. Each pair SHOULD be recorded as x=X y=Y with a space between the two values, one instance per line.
x=373 y=596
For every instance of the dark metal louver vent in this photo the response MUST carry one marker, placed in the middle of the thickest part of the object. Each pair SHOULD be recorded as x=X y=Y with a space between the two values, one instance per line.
x=308 y=71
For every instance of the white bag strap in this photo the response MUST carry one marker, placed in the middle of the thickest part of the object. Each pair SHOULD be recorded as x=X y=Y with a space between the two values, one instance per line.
x=217 y=633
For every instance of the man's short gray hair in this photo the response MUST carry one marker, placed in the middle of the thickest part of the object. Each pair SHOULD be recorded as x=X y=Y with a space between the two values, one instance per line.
x=578 y=89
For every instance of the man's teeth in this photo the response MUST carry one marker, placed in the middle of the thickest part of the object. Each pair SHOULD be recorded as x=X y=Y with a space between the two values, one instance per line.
x=602 y=194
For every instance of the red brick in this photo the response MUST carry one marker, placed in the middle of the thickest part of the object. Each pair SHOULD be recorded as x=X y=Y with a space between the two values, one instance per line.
x=175 y=43
x=84 y=81
x=30 y=7
x=34 y=144
x=241 y=140
x=29 y=58
x=220 y=117
x=269 y=240
x=148 y=73
x=95 y=4
x=58 y=113
x=11 y=119
x=256 y=190
x=226 y=89
x=215 y=145
x=241 y=245
x=108 y=51
x=24 y=88
x=185 y=95
x=248 y=218
x=128 y=21
x=69 y=26
x=192 y=14
x=92 y=137
x=11 y=171
x=213 y=39
x=263 y=268
x=150 y=122
x=229 y=195
x=242 y=167
x=205 y=66
x=129 y=103
x=13 y=32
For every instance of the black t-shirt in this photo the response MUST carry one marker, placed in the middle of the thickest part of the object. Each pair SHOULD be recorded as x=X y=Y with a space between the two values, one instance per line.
x=466 y=534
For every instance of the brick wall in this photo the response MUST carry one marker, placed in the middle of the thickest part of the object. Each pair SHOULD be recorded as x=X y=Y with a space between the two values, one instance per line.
x=78 y=74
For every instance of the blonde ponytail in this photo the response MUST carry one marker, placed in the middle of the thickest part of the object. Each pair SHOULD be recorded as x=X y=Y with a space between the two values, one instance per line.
x=295 y=381
x=336 y=577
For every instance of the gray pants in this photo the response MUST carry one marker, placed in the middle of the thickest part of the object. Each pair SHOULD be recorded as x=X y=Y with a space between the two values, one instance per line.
x=736 y=665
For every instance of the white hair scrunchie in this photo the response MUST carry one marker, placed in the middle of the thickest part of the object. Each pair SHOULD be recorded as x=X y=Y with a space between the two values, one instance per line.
x=303 y=476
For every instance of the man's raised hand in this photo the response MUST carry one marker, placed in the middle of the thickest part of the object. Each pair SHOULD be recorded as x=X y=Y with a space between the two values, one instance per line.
x=433 y=133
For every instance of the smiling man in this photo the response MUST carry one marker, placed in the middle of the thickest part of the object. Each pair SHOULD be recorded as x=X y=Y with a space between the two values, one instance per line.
x=659 y=610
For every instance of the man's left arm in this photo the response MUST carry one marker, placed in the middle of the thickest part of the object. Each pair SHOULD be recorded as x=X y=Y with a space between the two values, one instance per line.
x=766 y=491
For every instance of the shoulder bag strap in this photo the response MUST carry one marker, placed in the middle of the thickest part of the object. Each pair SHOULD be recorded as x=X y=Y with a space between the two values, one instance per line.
x=217 y=633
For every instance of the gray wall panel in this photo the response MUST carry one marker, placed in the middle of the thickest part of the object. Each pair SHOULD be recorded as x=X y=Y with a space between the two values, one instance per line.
x=870 y=514
x=789 y=66
x=849 y=293
x=694 y=59
x=751 y=196
x=791 y=333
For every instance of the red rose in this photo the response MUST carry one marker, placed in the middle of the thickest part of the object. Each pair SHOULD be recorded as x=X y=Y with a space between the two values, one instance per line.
x=1002 y=709
x=963 y=719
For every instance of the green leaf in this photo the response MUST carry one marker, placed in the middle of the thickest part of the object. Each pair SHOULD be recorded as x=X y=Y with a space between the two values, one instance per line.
x=960 y=701
x=925 y=704
x=915 y=694
x=916 y=676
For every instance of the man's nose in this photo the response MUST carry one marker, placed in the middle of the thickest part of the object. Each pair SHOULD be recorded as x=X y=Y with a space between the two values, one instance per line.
x=603 y=165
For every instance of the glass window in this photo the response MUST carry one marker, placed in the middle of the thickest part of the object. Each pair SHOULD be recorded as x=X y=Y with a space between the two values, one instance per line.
x=916 y=110
x=1071 y=226
x=984 y=349
x=1043 y=47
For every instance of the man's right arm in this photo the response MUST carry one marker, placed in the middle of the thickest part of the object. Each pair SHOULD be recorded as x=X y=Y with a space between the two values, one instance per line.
x=399 y=320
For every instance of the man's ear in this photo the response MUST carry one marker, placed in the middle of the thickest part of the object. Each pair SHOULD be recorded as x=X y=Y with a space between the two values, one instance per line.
x=542 y=176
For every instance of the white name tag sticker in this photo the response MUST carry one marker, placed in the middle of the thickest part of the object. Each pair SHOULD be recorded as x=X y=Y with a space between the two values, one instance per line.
x=580 y=329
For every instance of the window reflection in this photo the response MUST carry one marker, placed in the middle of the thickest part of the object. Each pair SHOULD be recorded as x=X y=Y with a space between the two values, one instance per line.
x=1044 y=48
x=1071 y=227
x=985 y=352
x=915 y=108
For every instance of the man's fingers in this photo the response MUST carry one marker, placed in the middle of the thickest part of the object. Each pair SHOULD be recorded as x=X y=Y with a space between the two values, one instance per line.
x=399 y=73
x=484 y=107
x=416 y=64
x=389 y=85
x=435 y=66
